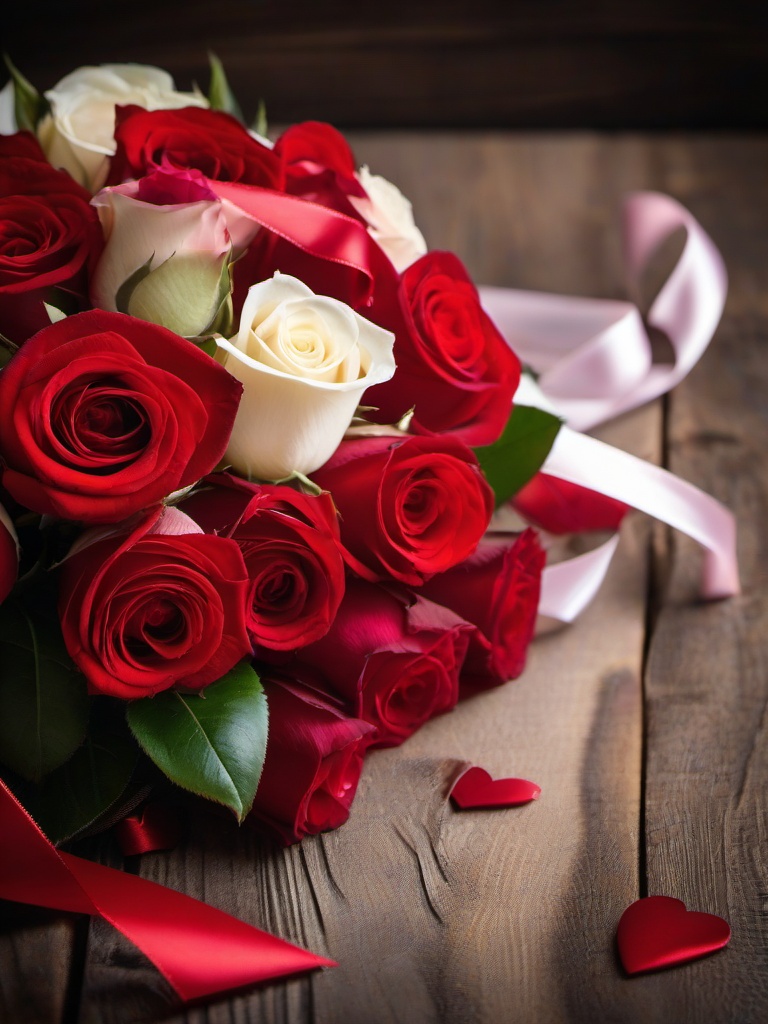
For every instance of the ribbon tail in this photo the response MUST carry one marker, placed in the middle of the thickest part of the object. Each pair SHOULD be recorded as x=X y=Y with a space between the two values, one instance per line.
x=584 y=460
x=200 y=950
x=568 y=587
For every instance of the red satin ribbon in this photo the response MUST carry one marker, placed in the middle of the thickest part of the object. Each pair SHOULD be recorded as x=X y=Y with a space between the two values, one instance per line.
x=158 y=827
x=318 y=230
x=200 y=950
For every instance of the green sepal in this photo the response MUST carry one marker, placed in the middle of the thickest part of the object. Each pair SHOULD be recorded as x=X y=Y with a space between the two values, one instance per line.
x=29 y=105
x=43 y=696
x=90 y=783
x=129 y=285
x=515 y=458
x=212 y=743
x=220 y=96
x=8 y=350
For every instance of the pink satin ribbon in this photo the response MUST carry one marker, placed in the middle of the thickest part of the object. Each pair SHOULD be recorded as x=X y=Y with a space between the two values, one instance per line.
x=593 y=359
x=200 y=950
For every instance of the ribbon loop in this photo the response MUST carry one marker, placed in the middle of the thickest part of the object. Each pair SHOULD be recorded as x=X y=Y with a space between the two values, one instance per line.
x=594 y=356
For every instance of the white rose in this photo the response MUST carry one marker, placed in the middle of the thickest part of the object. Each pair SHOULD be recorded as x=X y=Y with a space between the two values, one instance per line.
x=164 y=261
x=78 y=134
x=390 y=219
x=304 y=361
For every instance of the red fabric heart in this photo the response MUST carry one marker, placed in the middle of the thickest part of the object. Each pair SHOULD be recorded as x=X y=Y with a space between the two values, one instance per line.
x=658 y=931
x=475 y=788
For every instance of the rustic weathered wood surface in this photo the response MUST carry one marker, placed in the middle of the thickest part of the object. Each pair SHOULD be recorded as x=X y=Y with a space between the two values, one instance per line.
x=644 y=722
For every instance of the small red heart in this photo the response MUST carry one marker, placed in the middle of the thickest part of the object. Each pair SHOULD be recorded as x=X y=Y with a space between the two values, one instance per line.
x=476 y=788
x=658 y=931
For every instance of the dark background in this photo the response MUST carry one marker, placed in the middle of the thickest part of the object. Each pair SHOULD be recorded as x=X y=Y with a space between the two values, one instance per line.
x=456 y=63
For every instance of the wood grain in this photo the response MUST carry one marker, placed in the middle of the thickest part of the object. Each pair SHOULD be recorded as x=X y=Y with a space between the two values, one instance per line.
x=707 y=682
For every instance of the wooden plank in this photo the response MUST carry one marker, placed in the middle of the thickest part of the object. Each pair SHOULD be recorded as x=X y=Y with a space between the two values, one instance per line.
x=435 y=915
x=40 y=964
x=707 y=682
x=463 y=63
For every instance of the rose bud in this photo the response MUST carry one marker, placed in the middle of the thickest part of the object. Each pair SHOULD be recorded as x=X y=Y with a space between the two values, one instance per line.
x=9 y=554
x=313 y=763
x=49 y=239
x=394 y=657
x=304 y=361
x=105 y=415
x=454 y=368
x=292 y=550
x=497 y=590
x=78 y=133
x=410 y=506
x=160 y=606
x=167 y=253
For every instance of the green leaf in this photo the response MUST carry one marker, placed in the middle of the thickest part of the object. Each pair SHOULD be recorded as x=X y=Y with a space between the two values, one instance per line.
x=43 y=697
x=260 y=121
x=91 y=782
x=29 y=106
x=220 y=96
x=519 y=453
x=212 y=743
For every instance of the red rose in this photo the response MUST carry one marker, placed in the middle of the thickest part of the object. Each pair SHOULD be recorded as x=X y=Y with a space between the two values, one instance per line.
x=212 y=142
x=454 y=369
x=49 y=237
x=313 y=764
x=155 y=608
x=395 y=658
x=104 y=415
x=9 y=554
x=497 y=590
x=291 y=546
x=319 y=165
x=410 y=506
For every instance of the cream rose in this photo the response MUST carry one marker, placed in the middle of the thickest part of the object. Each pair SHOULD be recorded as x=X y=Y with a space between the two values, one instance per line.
x=390 y=219
x=304 y=361
x=77 y=134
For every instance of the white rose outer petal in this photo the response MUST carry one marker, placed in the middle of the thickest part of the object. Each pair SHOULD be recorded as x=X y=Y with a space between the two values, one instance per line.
x=78 y=133
x=390 y=219
x=288 y=422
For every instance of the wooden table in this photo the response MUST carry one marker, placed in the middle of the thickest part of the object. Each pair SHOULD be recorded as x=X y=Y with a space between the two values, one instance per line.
x=645 y=722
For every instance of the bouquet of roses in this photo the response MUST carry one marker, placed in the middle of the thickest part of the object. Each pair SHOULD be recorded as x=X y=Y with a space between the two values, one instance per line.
x=252 y=436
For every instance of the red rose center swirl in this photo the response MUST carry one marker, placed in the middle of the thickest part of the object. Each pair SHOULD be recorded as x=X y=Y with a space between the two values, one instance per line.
x=103 y=424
